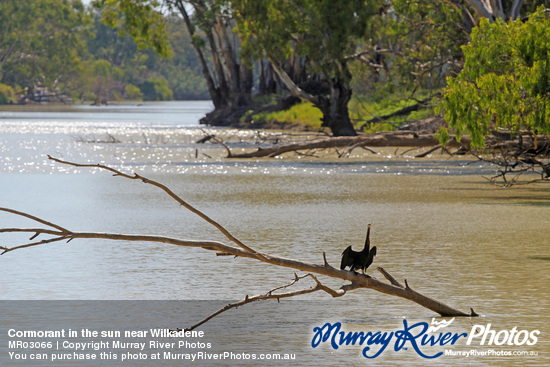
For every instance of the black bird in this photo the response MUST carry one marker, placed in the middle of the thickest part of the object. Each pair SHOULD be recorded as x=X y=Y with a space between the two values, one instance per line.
x=359 y=260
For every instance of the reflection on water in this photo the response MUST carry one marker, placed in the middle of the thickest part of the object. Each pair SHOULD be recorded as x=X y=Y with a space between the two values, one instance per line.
x=436 y=222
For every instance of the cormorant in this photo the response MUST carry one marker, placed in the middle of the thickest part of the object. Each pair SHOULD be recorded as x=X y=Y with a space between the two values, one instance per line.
x=359 y=260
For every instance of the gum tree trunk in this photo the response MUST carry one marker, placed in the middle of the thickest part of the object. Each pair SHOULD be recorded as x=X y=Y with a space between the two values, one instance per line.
x=335 y=109
x=334 y=106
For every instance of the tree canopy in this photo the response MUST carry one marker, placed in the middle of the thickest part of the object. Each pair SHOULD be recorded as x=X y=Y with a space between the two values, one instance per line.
x=64 y=48
x=505 y=82
x=324 y=33
x=317 y=50
x=40 y=43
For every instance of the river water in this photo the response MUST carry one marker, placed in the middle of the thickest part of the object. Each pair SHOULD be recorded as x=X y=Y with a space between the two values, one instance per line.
x=436 y=222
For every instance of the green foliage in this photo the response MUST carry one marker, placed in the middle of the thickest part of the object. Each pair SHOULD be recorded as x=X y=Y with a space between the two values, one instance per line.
x=133 y=92
x=361 y=108
x=382 y=102
x=3 y=98
x=41 y=41
x=322 y=30
x=131 y=65
x=303 y=113
x=182 y=70
x=505 y=83
x=156 y=89
x=102 y=68
x=7 y=94
x=198 y=41
x=423 y=40
x=107 y=44
x=59 y=45
x=141 y=19
x=443 y=136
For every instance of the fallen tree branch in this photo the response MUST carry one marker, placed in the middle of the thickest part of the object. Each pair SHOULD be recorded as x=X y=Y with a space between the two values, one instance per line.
x=167 y=191
x=356 y=280
x=213 y=137
x=394 y=138
x=36 y=219
x=517 y=157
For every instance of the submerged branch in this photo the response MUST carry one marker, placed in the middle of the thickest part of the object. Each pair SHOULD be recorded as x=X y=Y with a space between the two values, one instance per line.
x=523 y=156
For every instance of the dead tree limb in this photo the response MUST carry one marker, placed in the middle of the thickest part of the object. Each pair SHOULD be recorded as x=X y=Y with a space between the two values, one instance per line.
x=389 y=277
x=393 y=139
x=272 y=295
x=59 y=233
x=429 y=151
x=518 y=158
x=213 y=137
x=167 y=191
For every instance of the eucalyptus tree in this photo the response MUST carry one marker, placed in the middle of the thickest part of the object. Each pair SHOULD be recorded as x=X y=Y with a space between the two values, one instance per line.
x=209 y=23
x=41 y=43
x=231 y=79
x=229 y=72
x=321 y=31
x=419 y=43
x=229 y=37
x=503 y=91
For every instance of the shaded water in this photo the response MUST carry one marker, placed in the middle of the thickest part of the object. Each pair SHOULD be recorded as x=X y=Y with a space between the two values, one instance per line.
x=436 y=223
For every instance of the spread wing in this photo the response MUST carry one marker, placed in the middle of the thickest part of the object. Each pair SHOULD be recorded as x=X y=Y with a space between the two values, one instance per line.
x=348 y=256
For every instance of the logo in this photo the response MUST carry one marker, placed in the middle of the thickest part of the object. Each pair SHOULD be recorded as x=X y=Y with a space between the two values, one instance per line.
x=502 y=337
x=419 y=337
x=439 y=325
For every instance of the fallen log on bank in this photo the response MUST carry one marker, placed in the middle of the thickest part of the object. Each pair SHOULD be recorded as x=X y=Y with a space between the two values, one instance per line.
x=386 y=139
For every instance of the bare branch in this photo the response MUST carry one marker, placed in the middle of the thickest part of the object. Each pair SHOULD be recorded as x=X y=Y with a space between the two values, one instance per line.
x=334 y=293
x=219 y=141
x=356 y=280
x=389 y=277
x=272 y=295
x=36 y=231
x=289 y=83
x=166 y=190
x=349 y=149
x=422 y=155
x=36 y=219
x=43 y=242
